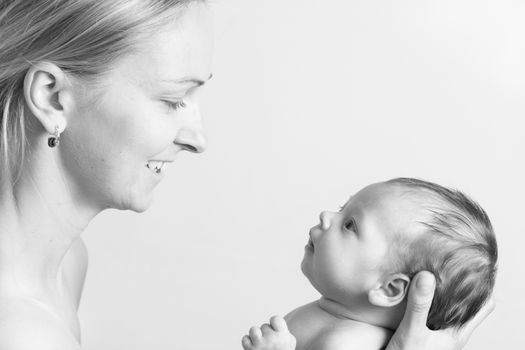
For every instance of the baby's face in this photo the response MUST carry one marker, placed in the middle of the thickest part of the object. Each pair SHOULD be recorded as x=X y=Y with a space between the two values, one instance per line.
x=347 y=250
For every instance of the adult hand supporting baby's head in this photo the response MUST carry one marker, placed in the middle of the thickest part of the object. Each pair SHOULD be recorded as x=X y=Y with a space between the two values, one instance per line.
x=413 y=333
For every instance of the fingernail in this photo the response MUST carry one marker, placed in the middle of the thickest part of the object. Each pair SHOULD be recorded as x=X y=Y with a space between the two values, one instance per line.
x=425 y=282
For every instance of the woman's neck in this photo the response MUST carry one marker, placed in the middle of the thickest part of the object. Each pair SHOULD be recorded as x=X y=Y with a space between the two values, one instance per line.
x=40 y=219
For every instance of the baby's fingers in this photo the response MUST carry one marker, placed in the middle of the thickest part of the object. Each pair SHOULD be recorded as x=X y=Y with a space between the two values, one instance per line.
x=279 y=324
x=266 y=330
x=255 y=334
x=246 y=343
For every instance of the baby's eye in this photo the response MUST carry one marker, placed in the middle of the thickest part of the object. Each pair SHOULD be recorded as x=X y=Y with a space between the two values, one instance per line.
x=174 y=105
x=350 y=225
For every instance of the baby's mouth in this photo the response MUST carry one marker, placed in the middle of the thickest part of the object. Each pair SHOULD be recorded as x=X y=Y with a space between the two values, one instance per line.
x=310 y=244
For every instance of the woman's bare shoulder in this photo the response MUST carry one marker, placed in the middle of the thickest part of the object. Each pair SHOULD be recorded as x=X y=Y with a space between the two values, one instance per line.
x=26 y=325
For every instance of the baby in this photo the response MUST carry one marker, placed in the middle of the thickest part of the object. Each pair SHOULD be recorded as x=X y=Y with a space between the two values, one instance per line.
x=361 y=260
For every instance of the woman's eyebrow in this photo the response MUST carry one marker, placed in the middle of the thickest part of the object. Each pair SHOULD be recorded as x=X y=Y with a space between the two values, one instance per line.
x=188 y=80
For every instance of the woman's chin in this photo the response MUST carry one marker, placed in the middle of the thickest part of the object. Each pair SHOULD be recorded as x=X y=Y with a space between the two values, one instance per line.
x=138 y=204
x=139 y=209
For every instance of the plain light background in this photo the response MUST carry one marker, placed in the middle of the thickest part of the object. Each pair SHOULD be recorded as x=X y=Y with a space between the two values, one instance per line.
x=311 y=101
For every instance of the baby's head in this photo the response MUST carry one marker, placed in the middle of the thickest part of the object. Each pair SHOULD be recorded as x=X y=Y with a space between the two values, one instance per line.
x=365 y=255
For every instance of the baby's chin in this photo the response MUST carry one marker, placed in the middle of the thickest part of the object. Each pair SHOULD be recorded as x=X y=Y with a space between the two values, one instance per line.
x=306 y=272
x=304 y=268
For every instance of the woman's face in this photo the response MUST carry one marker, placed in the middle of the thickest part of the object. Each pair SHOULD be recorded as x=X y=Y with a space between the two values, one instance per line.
x=125 y=133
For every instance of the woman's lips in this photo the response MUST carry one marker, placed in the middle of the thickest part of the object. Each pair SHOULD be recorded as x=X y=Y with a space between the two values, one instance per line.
x=155 y=166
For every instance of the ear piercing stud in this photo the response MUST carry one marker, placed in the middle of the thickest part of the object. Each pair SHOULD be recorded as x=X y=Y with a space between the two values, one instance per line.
x=54 y=140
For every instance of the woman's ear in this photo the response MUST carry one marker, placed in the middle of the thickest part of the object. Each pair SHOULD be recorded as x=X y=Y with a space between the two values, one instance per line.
x=391 y=291
x=46 y=92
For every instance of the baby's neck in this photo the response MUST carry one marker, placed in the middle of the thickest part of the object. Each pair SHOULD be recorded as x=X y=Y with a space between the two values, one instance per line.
x=378 y=316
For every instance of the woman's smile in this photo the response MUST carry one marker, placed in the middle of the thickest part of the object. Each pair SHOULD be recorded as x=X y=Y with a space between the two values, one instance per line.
x=155 y=166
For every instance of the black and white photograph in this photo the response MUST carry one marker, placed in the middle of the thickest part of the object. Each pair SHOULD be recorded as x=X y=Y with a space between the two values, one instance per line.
x=262 y=175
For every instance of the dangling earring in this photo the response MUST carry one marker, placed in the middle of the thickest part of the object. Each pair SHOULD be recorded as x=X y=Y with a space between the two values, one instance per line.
x=54 y=140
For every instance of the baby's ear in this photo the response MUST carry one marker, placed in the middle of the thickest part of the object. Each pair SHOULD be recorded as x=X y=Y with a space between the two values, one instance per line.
x=391 y=291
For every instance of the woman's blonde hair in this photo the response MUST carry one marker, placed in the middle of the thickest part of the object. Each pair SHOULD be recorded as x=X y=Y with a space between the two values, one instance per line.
x=82 y=37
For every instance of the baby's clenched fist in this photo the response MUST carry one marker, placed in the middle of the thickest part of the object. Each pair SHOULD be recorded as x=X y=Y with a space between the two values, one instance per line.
x=273 y=336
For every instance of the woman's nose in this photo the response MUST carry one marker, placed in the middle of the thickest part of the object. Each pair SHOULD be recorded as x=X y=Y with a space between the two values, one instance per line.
x=192 y=140
x=325 y=218
x=190 y=137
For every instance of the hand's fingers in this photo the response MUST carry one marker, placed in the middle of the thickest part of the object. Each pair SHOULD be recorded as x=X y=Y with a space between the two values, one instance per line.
x=266 y=328
x=465 y=332
x=255 y=334
x=420 y=295
x=246 y=343
x=279 y=324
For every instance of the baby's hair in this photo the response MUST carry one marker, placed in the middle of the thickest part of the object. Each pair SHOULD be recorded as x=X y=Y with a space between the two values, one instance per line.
x=82 y=37
x=457 y=245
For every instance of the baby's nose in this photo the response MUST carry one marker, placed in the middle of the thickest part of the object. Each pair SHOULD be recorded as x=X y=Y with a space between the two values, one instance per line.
x=325 y=218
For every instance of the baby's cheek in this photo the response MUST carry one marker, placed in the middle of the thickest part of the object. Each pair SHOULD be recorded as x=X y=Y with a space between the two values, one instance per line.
x=375 y=254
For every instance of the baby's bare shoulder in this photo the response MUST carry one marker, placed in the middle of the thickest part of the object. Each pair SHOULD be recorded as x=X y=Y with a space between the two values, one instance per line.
x=351 y=335
x=307 y=320
x=306 y=311
x=26 y=326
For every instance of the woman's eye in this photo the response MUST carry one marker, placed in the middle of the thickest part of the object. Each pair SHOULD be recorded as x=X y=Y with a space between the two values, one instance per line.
x=350 y=225
x=174 y=105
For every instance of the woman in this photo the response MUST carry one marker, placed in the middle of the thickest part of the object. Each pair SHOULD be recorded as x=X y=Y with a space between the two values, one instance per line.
x=97 y=98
